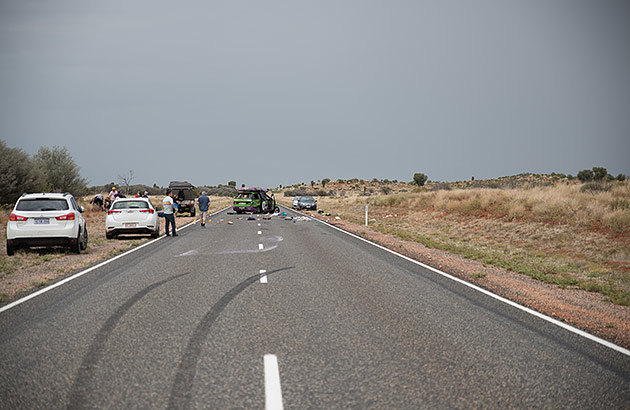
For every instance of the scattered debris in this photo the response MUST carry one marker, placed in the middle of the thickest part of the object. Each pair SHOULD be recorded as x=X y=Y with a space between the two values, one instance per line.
x=230 y=222
x=251 y=218
x=337 y=218
x=302 y=219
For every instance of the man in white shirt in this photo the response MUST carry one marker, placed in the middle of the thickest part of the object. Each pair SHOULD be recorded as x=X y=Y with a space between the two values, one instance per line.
x=169 y=215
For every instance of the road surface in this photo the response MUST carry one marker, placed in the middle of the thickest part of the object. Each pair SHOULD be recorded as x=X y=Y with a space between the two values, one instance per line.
x=294 y=314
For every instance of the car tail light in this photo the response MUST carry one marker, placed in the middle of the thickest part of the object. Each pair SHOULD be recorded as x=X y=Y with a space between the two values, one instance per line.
x=147 y=210
x=113 y=212
x=67 y=217
x=14 y=217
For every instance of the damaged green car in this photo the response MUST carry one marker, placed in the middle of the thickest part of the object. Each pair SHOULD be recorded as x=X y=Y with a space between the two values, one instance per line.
x=257 y=200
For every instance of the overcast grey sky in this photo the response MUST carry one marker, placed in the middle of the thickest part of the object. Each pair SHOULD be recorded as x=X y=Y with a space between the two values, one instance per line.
x=285 y=91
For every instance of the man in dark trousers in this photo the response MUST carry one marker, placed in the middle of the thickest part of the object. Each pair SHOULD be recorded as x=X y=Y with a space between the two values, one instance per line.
x=203 y=201
x=169 y=212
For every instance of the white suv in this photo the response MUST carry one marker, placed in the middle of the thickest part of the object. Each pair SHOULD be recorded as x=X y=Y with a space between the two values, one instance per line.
x=47 y=219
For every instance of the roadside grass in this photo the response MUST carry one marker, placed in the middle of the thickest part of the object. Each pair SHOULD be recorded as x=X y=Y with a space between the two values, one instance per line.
x=563 y=235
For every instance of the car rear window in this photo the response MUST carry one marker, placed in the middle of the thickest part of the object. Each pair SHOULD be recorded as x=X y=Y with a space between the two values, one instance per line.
x=131 y=205
x=42 y=204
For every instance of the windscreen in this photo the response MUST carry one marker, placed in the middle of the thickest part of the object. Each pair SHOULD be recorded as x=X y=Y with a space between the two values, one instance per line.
x=131 y=205
x=243 y=195
x=42 y=204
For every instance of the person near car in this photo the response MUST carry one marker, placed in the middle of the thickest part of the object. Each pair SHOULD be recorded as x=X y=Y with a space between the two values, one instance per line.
x=113 y=194
x=97 y=201
x=146 y=195
x=169 y=214
x=203 y=201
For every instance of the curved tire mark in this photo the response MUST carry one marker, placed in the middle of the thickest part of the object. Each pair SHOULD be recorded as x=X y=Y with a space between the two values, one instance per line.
x=81 y=385
x=180 y=393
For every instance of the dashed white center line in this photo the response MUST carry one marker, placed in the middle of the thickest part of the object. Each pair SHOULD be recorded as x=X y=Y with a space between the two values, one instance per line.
x=259 y=232
x=259 y=225
x=273 y=391
x=263 y=278
x=260 y=246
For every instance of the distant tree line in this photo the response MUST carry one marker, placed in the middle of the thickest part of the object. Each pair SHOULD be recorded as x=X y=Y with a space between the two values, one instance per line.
x=598 y=174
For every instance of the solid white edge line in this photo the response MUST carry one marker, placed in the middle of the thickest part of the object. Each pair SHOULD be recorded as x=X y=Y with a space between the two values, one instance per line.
x=79 y=274
x=273 y=390
x=486 y=292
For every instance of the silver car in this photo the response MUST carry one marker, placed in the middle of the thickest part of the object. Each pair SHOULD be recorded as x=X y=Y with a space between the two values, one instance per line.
x=132 y=216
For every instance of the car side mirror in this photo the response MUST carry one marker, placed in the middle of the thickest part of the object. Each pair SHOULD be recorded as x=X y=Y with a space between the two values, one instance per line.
x=81 y=209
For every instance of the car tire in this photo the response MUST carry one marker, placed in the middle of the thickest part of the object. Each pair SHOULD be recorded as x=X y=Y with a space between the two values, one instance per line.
x=76 y=246
x=156 y=233
x=193 y=213
x=109 y=235
x=10 y=249
x=84 y=242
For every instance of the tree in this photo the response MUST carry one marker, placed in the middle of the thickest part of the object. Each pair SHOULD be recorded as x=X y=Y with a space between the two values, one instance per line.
x=419 y=179
x=18 y=174
x=325 y=181
x=585 y=175
x=599 y=173
x=60 y=171
x=621 y=177
x=126 y=179
x=232 y=184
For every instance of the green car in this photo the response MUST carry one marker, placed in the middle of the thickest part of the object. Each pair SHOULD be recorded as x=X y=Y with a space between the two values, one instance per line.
x=258 y=200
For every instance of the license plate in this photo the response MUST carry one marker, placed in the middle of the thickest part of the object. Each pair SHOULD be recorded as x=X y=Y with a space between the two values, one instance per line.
x=39 y=221
x=131 y=225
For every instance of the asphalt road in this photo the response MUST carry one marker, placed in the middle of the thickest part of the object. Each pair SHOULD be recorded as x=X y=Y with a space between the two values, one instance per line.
x=331 y=322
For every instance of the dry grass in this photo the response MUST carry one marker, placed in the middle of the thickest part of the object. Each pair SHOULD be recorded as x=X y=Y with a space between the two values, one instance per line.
x=36 y=267
x=562 y=234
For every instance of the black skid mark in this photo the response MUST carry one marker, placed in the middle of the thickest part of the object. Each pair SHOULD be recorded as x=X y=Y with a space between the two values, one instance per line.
x=83 y=380
x=180 y=393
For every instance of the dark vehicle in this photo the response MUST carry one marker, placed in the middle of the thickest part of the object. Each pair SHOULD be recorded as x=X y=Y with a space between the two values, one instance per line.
x=307 y=202
x=184 y=196
x=257 y=200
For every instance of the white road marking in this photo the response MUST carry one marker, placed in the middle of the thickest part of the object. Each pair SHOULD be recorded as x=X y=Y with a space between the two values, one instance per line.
x=273 y=391
x=492 y=295
x=258 y=224
x=260 y=246
x=259 y=232
x=263 y=278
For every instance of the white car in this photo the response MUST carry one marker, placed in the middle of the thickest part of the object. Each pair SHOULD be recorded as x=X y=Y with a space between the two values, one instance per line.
x=131 y=216
x=47 y=219
x=296 y=202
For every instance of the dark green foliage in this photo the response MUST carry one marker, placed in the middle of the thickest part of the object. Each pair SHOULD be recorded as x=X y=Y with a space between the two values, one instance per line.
x=585 y=175
x=232 y=184
x=419 y=179
x=599 y=173
x=621 y=177
x=60 y=171
x=325 y=181
x=18 y=174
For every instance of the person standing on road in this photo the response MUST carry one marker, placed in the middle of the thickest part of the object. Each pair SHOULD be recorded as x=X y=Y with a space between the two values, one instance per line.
x=203 y=201
x=169 y=214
